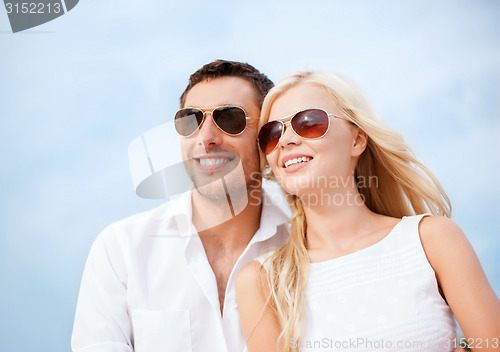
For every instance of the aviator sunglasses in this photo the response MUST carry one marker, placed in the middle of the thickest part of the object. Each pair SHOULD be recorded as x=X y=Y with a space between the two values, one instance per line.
x=231 y=120
x=309 y=124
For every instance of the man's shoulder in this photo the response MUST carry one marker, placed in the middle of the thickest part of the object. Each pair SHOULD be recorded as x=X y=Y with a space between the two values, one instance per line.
x=145 y=217
x=142 y=225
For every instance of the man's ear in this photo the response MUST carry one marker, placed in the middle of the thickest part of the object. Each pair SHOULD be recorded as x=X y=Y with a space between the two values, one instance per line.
x=360 y=141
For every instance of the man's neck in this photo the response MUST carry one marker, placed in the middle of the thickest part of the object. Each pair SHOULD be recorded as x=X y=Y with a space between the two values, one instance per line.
x=223 y=235
x=220 y=218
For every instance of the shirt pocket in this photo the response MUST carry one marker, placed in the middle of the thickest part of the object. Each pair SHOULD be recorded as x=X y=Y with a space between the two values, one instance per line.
x=161 y=330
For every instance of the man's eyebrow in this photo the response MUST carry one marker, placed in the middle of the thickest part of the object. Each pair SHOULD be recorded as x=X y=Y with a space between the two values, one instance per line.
x=209 y=107
x=246 y=108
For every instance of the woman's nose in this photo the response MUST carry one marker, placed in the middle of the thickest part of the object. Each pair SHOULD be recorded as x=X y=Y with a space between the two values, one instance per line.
x=289 y=137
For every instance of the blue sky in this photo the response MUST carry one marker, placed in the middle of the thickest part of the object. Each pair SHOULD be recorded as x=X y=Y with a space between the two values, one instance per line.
x=76 y=91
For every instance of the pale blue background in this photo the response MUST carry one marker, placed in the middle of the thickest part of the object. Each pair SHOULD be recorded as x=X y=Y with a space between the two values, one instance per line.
x=75 y=92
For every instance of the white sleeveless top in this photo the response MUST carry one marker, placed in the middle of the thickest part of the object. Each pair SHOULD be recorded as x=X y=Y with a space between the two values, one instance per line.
x=381 y=298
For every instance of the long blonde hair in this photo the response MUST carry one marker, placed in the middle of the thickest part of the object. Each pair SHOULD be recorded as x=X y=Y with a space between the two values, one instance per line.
x=405 y=187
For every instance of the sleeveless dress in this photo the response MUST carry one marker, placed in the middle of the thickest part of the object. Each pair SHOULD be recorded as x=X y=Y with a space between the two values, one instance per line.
x=381 y=298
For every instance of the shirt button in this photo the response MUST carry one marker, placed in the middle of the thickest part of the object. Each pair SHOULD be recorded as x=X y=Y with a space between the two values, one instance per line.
x=235 y=305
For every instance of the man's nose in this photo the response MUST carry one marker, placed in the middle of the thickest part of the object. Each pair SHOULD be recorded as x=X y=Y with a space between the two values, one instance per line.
x=209 y=133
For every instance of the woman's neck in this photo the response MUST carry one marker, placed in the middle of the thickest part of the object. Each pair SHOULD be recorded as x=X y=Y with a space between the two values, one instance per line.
x=334 y=222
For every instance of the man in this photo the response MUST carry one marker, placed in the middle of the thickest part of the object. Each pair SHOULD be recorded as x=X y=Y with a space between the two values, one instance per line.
x=164 y=280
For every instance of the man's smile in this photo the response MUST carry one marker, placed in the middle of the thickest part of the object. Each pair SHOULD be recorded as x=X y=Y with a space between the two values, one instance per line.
x=213 y=162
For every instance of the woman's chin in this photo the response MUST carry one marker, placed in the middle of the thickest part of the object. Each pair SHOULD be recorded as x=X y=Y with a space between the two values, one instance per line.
x=298 y=190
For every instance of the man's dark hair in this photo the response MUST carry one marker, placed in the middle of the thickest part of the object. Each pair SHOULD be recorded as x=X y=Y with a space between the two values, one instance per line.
x=223 y=68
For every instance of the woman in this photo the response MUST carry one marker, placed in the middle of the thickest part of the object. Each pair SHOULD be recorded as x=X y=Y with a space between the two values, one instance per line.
x=360 y=270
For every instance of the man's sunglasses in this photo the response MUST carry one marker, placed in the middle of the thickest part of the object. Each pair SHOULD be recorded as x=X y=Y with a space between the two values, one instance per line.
x=231 y=120
x=309 y=123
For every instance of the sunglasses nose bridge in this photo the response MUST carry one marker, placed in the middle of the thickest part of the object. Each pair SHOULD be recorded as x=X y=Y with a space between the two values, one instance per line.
x=204 y=118
x=288 y=135
x=284 y=126
x=208 y=131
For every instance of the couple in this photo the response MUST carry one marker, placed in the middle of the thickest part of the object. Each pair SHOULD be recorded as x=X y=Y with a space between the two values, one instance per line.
x=348 y=268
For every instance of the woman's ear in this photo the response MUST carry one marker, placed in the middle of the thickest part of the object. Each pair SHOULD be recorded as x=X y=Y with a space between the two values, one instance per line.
x=360 y=141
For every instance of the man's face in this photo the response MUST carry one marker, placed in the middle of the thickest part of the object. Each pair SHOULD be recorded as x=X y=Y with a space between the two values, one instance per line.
x=210 y=154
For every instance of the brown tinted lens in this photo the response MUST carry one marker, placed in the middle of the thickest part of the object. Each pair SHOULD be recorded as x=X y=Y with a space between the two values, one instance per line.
x=187 y=121
x=269 y=135
x=230 y=119
x=311 y=123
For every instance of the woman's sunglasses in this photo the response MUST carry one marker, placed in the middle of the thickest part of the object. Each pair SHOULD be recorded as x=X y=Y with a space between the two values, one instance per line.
x=231 y=120
x=309 y=123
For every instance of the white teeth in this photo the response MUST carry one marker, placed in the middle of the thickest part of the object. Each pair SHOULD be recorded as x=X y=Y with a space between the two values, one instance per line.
x=297 y=160
x=213 y=161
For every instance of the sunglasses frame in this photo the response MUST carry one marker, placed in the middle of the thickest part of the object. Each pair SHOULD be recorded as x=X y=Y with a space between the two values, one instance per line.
x=291 y=117
x=211 y=112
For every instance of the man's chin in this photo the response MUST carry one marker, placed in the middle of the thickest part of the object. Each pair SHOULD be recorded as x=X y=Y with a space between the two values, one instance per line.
x=211 y=192
x=230 y=191
x=221 y=189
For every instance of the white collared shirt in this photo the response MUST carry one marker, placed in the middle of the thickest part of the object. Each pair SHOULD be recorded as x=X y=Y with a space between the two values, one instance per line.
x=148 y=286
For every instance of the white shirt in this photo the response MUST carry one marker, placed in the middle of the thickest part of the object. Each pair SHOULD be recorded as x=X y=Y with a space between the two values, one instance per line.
x=148 y=286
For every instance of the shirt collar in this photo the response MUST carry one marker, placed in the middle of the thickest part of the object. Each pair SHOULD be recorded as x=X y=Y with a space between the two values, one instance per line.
x=178 y=215
x=275 y=211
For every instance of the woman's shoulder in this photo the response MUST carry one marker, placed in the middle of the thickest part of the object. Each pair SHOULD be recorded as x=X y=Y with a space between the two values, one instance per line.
x=250 y=278
x=249 y=272
x=254 y=274
x=437 y=233
x=443 y=241
x=439 y=230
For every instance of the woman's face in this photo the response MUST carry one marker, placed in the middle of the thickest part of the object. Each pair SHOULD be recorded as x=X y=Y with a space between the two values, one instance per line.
x=324 y=164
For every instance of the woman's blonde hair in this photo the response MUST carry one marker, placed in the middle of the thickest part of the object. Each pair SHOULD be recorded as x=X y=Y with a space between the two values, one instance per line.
x=404 y=187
